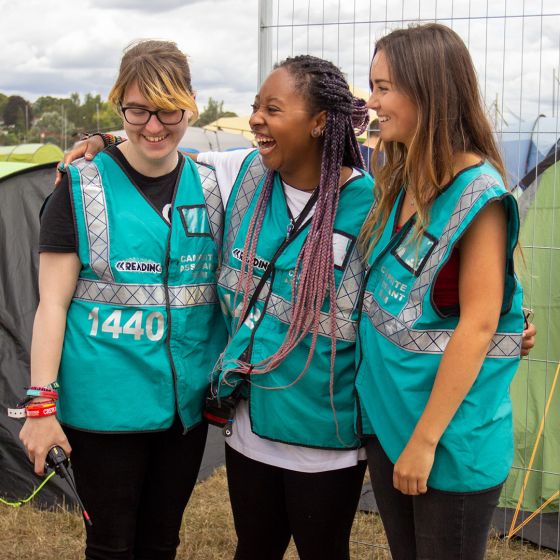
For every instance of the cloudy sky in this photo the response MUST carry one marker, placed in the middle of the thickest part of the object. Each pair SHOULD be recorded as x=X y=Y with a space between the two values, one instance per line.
x=55 y=47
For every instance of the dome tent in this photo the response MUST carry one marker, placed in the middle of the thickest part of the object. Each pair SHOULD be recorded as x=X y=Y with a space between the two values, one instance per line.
x=532 y=156
x=31 y=153
x=21 y=196
x=10 y=167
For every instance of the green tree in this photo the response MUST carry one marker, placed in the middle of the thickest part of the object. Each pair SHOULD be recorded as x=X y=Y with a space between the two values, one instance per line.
x=88 y=116
x=8 y=138
x=98 y=115
x=212 y=112
x=3 y=101
x=46 y=104
x=18 y=114
x=51 y=127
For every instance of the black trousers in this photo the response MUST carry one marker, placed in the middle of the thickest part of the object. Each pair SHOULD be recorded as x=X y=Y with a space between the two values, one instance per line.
x=433 y=526
x=135 y=488
x=271 y=504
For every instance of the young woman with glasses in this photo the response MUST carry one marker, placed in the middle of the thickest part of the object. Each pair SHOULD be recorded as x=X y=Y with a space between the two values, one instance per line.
x=127 y=299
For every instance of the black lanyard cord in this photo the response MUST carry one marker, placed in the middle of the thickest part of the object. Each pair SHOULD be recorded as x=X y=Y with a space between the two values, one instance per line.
x=294 y=228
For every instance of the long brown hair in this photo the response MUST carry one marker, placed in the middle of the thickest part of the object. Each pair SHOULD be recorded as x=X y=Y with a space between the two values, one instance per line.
x=431 y=65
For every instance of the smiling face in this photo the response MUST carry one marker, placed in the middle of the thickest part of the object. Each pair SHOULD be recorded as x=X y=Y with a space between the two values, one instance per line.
x=397 y=114
x=287 y=134
x=152 y=147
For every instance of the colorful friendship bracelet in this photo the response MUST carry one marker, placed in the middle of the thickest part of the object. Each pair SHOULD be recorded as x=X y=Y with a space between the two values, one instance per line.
x=108 y=139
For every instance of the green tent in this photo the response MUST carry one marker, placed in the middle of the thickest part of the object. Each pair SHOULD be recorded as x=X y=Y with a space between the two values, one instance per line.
x=535 y=477
x=31 y=153
x=9 y=167
x=531 y=389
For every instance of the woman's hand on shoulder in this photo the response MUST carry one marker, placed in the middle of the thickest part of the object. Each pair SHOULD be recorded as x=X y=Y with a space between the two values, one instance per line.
x=413 y=467
x=39 y=436
x=528 y=339
x=87 y=149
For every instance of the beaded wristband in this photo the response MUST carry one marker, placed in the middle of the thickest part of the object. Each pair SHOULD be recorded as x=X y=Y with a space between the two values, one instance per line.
x=54 y=386
x=108 y=139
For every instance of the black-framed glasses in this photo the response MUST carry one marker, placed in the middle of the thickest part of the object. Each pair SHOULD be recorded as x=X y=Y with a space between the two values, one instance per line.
x=138 y=115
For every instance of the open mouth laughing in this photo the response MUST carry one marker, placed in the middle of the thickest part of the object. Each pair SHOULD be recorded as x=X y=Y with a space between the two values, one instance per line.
x=266 y=143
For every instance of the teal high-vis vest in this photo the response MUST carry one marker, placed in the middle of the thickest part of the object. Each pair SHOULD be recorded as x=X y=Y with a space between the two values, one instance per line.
x=144 y=327
x=298 y=413
x=402 y=337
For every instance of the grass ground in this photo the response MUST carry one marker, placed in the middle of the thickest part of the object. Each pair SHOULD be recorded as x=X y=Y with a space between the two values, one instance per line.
x=57 y=535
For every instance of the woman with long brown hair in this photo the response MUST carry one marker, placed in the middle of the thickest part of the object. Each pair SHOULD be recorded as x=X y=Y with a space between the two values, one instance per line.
x=441 y=318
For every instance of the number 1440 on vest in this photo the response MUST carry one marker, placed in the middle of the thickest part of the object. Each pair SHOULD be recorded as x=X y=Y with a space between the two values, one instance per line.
x=152 y=327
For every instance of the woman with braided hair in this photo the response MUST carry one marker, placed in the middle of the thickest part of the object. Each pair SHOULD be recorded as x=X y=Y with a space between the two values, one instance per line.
x=289 y=285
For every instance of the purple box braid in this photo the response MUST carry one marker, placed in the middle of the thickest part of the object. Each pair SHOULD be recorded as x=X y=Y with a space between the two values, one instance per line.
x=325 y=89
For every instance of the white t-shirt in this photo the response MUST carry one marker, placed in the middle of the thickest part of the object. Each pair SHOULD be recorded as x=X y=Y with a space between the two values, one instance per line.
x=243 y=439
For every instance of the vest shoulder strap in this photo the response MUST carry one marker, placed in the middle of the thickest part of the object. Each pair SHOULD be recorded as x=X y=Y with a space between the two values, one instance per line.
x=95 y=217
x=213 y=200
x=247 y=183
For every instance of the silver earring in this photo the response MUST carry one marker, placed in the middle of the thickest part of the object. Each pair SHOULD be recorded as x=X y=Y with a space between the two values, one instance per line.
x=315 y=133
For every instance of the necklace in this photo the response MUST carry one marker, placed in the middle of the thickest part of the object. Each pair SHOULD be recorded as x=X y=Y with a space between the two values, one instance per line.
x=412 y=201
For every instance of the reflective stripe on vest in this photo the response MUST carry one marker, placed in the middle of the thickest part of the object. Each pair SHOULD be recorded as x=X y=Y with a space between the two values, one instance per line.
x=348 y=290
x=282 y=309
x=503 y=345
x=413 y=308
x=214 y=204
x=399 y=329
x=95 y=214
x=253 y=176
x=145 y=295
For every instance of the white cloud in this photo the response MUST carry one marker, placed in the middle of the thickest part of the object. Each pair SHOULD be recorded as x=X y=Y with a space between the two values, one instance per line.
x=53 y=47
x=146 y=6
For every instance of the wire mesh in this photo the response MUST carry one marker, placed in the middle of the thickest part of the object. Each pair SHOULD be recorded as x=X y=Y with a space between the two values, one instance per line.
x=515 y=45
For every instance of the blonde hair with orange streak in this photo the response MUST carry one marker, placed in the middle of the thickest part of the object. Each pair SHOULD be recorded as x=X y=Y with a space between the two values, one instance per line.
x=162 y=73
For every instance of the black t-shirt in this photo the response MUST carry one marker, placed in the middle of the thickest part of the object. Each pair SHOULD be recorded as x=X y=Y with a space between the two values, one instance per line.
x=58 y=230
